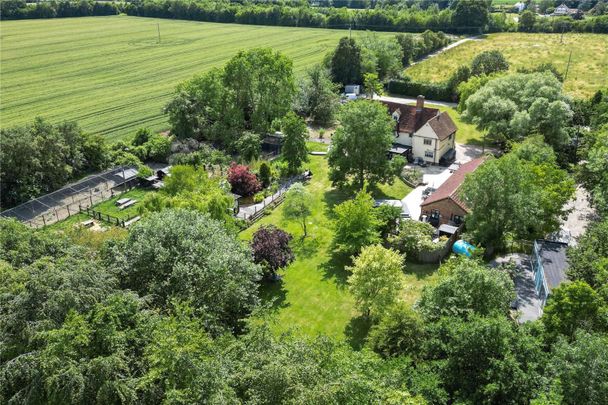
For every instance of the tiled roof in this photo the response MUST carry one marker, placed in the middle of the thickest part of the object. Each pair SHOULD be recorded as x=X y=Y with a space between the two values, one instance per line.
x=411 y=120
x=442 y=125
x=450 y=187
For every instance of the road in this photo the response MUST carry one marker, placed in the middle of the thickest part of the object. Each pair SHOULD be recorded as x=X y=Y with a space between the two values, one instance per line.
x=447 y=48
x=406 y=100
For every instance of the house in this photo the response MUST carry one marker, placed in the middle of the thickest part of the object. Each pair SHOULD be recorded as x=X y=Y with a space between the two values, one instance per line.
x=422 y=132
x=549 y=265
x=444 y=206
x=564 y=10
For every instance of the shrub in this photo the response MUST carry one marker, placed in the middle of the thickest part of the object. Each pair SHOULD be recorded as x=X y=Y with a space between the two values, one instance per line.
x=242 y=180
x=265 y=174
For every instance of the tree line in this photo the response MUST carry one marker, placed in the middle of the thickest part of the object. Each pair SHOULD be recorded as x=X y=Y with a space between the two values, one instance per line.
x=464 y=16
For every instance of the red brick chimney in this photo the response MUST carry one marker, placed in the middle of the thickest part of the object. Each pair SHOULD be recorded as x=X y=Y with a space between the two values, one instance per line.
x=419 y=103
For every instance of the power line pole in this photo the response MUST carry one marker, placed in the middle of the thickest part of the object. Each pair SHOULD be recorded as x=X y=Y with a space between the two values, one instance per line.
x=158 y=29
x=568 y=66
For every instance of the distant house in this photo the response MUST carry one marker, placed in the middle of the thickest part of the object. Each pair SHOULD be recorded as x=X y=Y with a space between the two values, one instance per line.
x=519 y=6
x=354 y=89
x=564 y=10
x=422 y=132
x=444 y=206
x=549 y=265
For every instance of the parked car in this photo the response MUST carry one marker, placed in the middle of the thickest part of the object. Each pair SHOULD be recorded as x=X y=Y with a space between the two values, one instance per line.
x=405 y=213
x=420 y=162
x=448 y=158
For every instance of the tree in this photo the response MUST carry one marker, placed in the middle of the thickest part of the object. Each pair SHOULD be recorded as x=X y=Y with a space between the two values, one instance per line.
x=400 y=331
x=159 y=148
x=345 y=62
x=254 y=88
x=487 y=360
x=40 y=157
x=265 y=174
x=372 y=85
x=580 y=369
x=298 y=205
x=573 y=306
x=185 y=255
x=510 y=199
x=593 y=169
x=381 y=55
x=588 y=259
x=360 y=144
x=355 y=224
x=249 y=146
x=263 y=86
x=471 y=14
x=141 y=137
x=294 y=149
x=489 y=62
x=413 y=237
x=527 y=19
x=468 y=88
x=513 y=106
x=318 y=96
x=408 y=44
x=242 y=180
x=270 y=246
x=376 y=279
x=388 y=218
x=470 y=288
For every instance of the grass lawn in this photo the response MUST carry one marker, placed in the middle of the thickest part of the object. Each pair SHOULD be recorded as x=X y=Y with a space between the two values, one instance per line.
x=111 y=76
x=313 y=297
x=109 y=206
x=587 y=71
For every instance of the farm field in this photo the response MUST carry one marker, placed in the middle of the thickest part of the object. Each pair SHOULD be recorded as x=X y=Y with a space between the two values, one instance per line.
x=111 y=76
x=313 y=296
x=587 y=71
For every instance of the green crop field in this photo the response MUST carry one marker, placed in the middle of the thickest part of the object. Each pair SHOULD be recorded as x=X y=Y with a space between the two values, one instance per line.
x=588 y=68
x=111 y=76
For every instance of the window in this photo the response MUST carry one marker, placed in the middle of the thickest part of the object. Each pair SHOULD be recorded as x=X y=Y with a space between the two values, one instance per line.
x=428 y=141
x=457 y=219
x=435 y=214
x=450 y=137
x=428 y=153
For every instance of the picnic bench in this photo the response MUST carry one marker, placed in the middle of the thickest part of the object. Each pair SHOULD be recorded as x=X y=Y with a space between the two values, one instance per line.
x=127 y=204
x=122 y=201
x=132 y=221
x=88 y=223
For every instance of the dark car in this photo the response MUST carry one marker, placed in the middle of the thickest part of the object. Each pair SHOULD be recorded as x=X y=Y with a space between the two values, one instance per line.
x=448 y=158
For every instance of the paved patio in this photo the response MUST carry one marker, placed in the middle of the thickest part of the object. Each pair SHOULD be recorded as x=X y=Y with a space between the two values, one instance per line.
x=527 y=302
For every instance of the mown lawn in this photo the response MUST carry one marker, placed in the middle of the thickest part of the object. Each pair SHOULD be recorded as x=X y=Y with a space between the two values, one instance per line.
x=312 y=297
x=588 y=68
x=109 y=207
x=111 y=76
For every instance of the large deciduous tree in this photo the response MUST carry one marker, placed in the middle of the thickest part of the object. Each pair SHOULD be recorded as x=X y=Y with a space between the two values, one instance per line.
x=294 y=142
x=593 y=170
x=588 y=259
x=471 y=15
x=376 y=279
x=356 y=226
x=514 y=106
x=180 y=254
x=381 y=55
x=254 y=88
x=511 y=198
x=242 y=180
x=360 y=144
x=489 y=62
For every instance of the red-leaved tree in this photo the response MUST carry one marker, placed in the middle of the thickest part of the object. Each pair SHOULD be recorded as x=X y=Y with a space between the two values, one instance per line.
x=270 y=246
x=242 y=180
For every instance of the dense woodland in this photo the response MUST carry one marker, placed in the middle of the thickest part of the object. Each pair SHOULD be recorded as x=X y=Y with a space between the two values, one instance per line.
x=458 y=17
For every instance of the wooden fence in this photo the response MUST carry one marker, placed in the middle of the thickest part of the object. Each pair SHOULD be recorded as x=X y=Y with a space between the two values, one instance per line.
x=123 y=222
